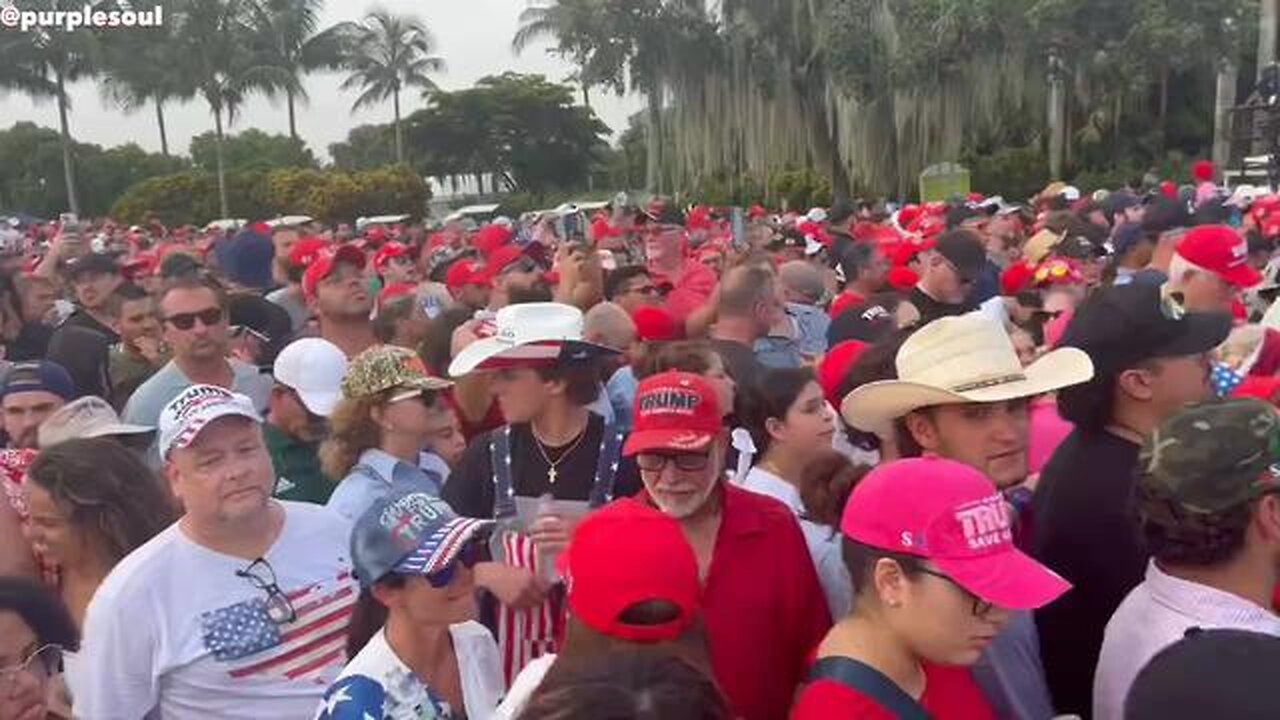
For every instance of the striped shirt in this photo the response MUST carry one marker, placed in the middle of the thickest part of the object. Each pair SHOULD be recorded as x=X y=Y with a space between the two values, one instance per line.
x=173 y=628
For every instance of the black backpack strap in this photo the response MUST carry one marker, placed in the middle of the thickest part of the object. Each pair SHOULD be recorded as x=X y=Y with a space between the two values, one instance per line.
x=504 y=495
x=869 y=682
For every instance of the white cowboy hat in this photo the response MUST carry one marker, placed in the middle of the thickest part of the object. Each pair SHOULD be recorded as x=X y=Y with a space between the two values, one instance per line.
x=963 y=359
x=529 y=333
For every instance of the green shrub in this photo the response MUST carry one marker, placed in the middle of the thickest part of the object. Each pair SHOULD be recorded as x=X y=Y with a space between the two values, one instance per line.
x=330 y=196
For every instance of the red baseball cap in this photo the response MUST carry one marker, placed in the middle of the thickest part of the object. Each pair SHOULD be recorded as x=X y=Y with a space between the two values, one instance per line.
x=674 y=411
x=463 y=273
x=653 y=324
x=387 y=251
x=1222 y=251
x=836 y=364
x=498 y=260
x=491 y=237
x=393 y=291
x=305 y=251
x=322 y=267
x=950 y=514
x=624 y=554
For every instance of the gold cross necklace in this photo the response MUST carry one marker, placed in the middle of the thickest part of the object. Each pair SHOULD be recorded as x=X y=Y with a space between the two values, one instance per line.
x=552 y=474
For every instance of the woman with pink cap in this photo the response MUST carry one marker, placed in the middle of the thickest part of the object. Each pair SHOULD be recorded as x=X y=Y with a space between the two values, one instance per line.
x=929 y=545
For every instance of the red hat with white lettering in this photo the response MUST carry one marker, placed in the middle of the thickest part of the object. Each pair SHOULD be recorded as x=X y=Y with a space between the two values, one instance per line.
x=1220 y=250
x=951 y=515
x=675 y=412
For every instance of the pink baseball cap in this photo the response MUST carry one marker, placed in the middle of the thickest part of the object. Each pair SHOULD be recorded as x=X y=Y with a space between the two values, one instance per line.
x=950 y=514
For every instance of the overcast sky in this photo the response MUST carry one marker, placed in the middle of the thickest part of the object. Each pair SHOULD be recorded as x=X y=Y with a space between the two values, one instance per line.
x=474 y=38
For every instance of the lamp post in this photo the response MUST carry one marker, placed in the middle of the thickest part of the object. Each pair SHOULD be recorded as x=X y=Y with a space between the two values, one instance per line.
x=1056 y=120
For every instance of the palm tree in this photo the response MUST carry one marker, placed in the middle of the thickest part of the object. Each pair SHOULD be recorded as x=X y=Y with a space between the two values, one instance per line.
x=285 y=33
x=389 y=53
x=142 y=67
x=217 y=57
x=42 y=63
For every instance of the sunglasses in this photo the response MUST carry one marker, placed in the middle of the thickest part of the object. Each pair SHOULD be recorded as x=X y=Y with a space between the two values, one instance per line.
x=44 y=661
x=687 y=462
x=523 y=265
x=261 y=575
x=186 y=321
x=468 y=557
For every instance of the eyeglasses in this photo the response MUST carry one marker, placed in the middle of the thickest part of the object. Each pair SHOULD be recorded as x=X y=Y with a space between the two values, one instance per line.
x=239 y=331
x=468 y=557
x=44 y=661
x=262 y=576
x=980 y=607
x=186 y=321
x=645 y=290
x=687 y=462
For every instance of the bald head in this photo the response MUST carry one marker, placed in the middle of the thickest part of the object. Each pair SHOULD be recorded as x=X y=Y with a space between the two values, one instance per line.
x=608 y=324
x=801 y=282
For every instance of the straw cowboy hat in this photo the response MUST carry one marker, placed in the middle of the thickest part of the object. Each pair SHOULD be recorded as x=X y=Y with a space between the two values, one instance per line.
x=963 y=359
x=530 y=334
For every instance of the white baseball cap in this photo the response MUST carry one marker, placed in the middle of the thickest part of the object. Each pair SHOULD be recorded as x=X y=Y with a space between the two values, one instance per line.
x=195 y=407
x=313 y=368
x=817 y=215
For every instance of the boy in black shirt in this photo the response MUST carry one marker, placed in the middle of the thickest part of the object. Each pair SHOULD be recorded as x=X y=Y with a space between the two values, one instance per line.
x=543 y=376
x=1151 y=358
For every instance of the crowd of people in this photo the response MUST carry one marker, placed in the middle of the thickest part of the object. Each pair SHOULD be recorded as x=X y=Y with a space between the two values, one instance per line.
x=964 y=460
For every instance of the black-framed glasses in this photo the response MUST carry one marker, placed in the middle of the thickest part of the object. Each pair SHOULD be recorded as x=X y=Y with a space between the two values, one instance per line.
x=186 y=321
x=261 y=575
x=688 y=462
x=467 y=557
x=980 y=607
x=44 y=661
x=650 y=289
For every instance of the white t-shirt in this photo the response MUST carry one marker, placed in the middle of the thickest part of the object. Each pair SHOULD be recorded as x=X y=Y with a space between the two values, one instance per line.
x=377 y=685
x=523 y=687
x=175 y=633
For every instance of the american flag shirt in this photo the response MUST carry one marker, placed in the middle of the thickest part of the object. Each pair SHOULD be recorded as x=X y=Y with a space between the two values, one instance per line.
x=173 y=629
x=377 y=685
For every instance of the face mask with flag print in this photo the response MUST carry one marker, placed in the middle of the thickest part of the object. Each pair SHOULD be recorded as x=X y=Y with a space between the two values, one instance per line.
x=1225 y=379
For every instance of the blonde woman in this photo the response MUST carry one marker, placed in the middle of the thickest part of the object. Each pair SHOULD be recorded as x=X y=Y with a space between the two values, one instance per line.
x=389 y=409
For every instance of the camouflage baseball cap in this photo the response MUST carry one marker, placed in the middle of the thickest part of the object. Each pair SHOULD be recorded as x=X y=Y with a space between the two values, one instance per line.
x=385 y=367
x=1209 y=458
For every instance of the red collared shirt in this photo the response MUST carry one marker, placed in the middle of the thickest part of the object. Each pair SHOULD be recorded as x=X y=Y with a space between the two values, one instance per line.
x=689 y=291
x=762 y=606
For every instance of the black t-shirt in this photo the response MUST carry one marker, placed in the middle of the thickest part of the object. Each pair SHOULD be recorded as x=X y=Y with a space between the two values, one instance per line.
x=931 y=309
x=1086 y=529
x=80 y=318
x=32 y=343
x=470 y=488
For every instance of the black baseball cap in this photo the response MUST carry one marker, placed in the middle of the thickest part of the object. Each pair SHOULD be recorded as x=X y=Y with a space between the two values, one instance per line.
x=1079 y=247
x=964 y=250
x=99 y=263
x=1209 y=674
x=1120 y=326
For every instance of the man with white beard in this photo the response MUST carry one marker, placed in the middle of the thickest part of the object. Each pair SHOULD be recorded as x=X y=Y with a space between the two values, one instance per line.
x=763 y=609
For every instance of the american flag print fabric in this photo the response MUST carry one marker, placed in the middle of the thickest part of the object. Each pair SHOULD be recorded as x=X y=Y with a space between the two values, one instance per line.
x=524 y=634
x=253 y=645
